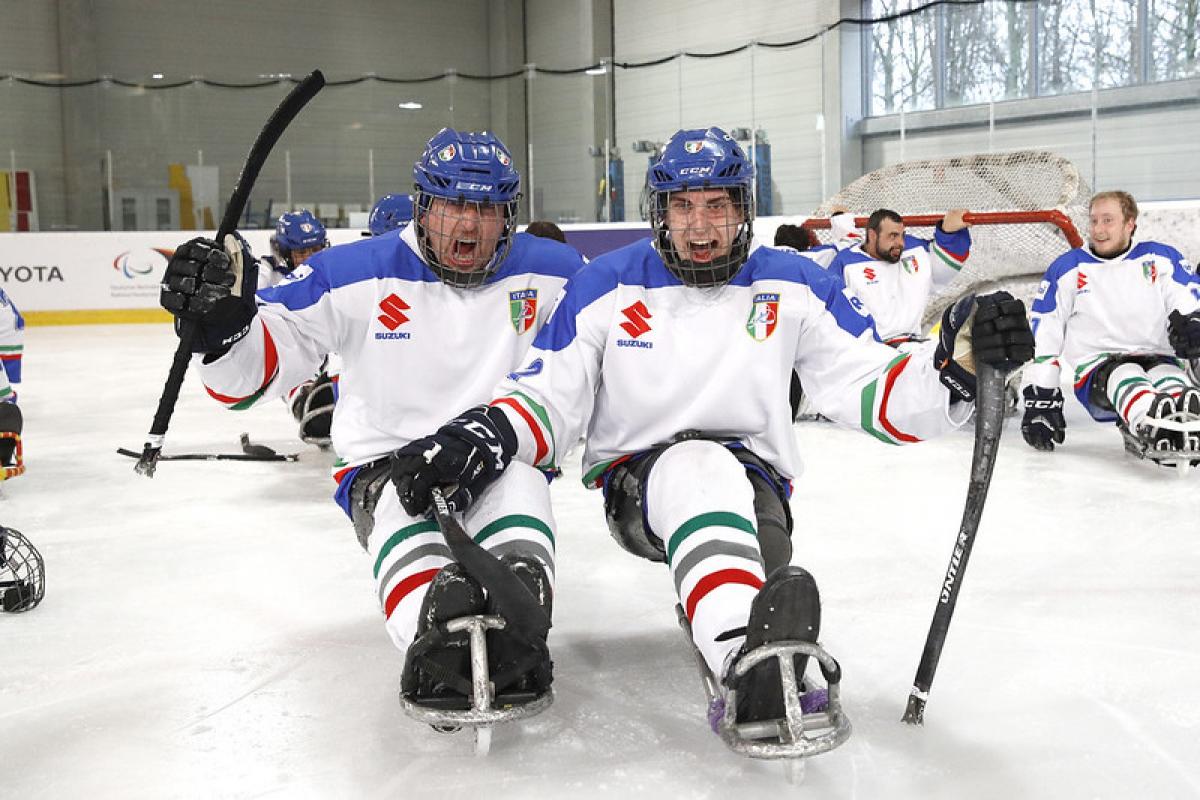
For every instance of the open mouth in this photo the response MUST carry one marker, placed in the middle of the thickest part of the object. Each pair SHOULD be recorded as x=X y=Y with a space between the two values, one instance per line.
x=702 y=251
x=462 y=252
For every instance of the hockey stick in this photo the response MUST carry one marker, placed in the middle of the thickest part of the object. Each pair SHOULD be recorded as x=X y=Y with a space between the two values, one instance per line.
x=267 y=137
x=512 y=598
x=989 y=424
x=216 y=456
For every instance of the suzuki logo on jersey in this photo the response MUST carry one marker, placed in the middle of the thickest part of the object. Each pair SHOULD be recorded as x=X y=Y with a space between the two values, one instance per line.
x=764 y=316
x=1150 y=270
x=1081 y=281
x=869 y=274
x=636 y=325
x=910 y=264
x=522 y=309
x=393 y=317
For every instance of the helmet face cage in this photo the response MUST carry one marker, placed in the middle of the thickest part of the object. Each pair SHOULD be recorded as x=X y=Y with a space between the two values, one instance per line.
x=22 y=572
x=467 y=235
x=735 y=221
x=695 y=161
x=297 y=230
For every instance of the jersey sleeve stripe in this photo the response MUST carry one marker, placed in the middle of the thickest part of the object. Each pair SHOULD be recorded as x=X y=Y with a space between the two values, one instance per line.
x=539 y=438
x=952 y=260
x=890 y=433
x=270 y=370
x=723 y=577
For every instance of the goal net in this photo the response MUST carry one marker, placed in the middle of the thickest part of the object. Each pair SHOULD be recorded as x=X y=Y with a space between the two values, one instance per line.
x=1027 y=209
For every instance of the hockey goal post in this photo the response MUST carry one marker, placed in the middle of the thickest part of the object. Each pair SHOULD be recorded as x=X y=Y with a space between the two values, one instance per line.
x=1026 y=208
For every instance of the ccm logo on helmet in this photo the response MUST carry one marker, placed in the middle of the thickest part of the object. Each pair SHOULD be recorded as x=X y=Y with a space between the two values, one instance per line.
x=695 y=170
x=473 y=187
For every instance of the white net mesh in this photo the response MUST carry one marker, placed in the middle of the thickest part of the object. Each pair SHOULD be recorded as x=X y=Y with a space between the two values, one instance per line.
x=1005 y=254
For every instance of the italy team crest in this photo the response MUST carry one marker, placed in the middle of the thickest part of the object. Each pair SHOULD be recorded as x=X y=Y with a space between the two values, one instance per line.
x=764 y=316
x=1150 y=270
x=910 y=264
x=522 y=309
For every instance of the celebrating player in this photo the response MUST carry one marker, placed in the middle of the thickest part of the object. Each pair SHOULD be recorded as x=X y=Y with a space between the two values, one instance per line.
x=894 y=273
x=1122 y=312
x=424 y=321
x=675 y=355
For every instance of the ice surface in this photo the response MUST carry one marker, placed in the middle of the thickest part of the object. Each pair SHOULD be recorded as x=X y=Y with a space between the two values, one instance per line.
x=213 y=633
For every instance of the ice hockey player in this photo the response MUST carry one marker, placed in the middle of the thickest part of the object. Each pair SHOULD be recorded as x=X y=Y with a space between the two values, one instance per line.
x=674 y=355
x=425 y=321
x=298 y=235
x=12 y=346
x=390 y=212
x=799 y=238
x=1122 y=312
x=894 y=273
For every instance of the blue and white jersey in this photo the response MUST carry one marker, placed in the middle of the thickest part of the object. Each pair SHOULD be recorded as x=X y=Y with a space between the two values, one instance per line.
x=1089 y=308
x=896 y=294
x=635 y=357
x=845 y=236
x=12 y=347
x=414 y=351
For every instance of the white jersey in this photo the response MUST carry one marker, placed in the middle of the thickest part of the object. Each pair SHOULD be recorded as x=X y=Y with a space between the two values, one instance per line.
x=12 y=347
x=414 y=350
x=1089 y=308
x=845 y=236
x=636 y=357
x=269 y=273
x=896 y=294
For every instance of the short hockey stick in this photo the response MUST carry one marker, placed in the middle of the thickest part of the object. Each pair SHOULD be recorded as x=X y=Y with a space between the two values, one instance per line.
x=267 y=137
x=513 y=601
x=989 y=424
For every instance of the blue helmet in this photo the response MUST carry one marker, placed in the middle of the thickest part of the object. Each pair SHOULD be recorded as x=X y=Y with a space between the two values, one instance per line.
x=389 y=213
x=474 y=172
x=297 y=230
x=697 y=160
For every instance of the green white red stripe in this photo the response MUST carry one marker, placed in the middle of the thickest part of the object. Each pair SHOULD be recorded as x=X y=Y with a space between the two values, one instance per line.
x=537 y=420
x=270 y=370
x=952 y=260
x=874 y=407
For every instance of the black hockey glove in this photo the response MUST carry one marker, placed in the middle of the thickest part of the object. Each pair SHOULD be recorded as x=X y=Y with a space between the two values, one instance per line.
x=1043 y=425
x=465 y=455
x=992 y=329
x=1184 y=333
x=213 y=287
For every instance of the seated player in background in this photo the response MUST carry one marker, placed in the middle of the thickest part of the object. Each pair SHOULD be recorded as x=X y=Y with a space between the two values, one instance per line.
x=298 y=235
x=390 y=212
x=1123 y=313
x=546 y=230
x=12 y=347
x=803 y=240
x=894 y=274
x=426 y=322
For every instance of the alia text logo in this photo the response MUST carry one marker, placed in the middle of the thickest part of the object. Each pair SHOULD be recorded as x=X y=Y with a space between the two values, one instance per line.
x=393 y=317
x=135 y=264
x=635 y=325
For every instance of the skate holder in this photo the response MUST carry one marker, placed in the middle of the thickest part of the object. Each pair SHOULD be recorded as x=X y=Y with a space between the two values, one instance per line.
x=798 y=735
x=486 y=709
x=1181 y=460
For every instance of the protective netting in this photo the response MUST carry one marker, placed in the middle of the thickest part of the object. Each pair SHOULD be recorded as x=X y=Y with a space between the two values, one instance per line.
x=1004 y=253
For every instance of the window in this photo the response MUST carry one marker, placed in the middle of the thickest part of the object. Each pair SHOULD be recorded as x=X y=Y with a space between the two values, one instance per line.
x=952 y=55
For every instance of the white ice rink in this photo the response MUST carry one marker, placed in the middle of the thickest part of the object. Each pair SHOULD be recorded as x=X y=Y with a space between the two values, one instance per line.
x=213 y=633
